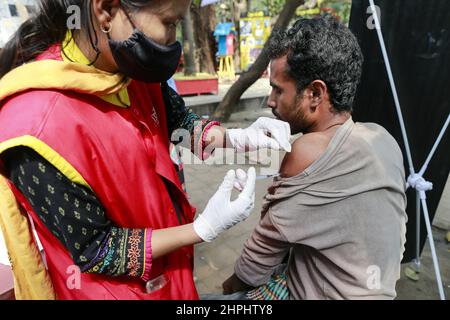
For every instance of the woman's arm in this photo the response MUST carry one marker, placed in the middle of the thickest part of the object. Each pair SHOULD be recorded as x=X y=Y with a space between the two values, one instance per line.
x=204 y=134
x=167 y=240
x=207 y=135
x=77 y=219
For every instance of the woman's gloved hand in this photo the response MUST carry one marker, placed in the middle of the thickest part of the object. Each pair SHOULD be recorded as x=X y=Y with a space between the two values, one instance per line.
x=263 y=133
x=221 y=213
x=241 y=179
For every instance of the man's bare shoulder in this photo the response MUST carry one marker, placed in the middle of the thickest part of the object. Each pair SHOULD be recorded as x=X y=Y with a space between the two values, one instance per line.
x=305 y=150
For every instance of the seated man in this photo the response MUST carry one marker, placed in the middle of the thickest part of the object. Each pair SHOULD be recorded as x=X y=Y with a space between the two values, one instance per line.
x=338 y=209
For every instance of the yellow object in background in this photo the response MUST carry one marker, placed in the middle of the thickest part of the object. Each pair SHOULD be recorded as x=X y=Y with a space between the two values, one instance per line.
x=255 y=30
x=226 y=68
x=31 y=279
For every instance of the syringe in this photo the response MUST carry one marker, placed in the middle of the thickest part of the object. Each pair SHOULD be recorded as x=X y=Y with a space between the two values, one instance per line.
x=267 y=176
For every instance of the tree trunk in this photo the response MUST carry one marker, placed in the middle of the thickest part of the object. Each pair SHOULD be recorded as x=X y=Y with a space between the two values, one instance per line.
x=204 y=19
x=231 y=99
x=188 y=45
x=239 y=7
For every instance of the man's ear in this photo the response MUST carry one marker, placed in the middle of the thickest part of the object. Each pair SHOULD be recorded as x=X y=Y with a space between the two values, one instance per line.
x=318 y=92
x=105 y=10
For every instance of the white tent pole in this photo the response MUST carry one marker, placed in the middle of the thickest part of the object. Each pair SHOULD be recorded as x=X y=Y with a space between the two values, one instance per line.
x=421 y=173
x=394 y=88
x=408 y=150
x=431 y=242
x=438 y=140
x=417 y=260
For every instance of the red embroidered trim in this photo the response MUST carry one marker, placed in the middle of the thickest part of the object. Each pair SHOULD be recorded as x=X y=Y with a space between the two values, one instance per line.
x=134 y=253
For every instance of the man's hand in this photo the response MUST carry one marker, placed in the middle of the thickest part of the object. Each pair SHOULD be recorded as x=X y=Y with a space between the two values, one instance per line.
x=234 y=284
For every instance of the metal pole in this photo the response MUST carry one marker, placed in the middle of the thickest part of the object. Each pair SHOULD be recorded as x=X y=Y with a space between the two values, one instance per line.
x=417 y=260
x=421 y=173
x=438 y=140
x=393 y=87
x=431 y=242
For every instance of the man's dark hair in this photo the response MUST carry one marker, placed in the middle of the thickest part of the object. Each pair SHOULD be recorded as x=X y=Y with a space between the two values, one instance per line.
x=321 y=49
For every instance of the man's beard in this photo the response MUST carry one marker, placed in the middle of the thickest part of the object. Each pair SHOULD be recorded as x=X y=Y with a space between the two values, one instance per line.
x=299 y=123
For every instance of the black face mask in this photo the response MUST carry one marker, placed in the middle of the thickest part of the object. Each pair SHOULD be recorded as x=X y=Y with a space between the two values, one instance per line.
x=142 y=59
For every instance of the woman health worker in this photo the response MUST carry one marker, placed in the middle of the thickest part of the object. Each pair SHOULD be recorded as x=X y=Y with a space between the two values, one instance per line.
x=85 y=122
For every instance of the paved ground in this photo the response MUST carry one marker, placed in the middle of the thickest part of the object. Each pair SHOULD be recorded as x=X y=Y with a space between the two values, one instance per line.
x=426 y=288
x=215 y=261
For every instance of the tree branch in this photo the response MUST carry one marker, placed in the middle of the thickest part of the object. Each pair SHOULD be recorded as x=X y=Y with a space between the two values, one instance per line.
x=231 y=99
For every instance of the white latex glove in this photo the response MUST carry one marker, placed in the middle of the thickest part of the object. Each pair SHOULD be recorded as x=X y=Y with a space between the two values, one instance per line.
x=241 y=179
x=257 y=136
x=221 y=213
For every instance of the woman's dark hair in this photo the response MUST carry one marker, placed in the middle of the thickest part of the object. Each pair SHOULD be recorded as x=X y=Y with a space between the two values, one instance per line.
x=47 y=26
x=322 y=49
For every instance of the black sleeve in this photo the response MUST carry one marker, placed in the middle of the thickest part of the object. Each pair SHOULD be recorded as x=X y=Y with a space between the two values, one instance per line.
x=76 y=217
x=178 y=115
x=181 y=117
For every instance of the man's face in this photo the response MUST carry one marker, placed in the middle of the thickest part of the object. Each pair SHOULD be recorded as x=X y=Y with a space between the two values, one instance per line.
x=286 y=103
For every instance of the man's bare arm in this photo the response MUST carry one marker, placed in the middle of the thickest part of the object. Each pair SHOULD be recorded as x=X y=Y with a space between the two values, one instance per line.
x=305 y=150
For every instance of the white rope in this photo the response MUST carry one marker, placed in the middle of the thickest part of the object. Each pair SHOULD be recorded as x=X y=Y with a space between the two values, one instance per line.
x=417 y=182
